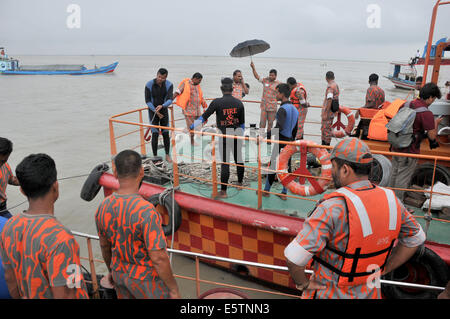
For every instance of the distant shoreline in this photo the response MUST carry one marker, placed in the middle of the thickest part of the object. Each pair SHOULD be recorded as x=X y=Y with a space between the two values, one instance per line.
x=204 y=56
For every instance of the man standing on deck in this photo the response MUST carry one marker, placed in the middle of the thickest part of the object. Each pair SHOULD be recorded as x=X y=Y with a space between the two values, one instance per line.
x=158 y=97
x=131 y=237
x=298 y=99
x=40 y=256
x=351 y=232
x=230 y=119
x=240 y=89
x=6 y=175
x=374 y=99
x=268 y=100
x=424 y=126
x=189 y=97
x=330 y=106
x=286 y=129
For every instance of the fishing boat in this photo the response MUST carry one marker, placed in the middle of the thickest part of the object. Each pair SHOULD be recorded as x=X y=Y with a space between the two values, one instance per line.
x=11 y=66
x=403 y=75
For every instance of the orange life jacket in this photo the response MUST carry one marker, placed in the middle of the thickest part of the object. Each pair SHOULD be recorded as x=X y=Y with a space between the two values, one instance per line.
x=294 y=99
x=183 y=99
x=377 y=126
x=374 y=218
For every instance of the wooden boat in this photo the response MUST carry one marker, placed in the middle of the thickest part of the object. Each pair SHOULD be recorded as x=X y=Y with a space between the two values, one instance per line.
x=10 y=66
x=403 y=76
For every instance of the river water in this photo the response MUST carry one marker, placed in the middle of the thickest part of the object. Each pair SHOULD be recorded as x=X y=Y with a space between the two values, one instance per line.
x=67 y=117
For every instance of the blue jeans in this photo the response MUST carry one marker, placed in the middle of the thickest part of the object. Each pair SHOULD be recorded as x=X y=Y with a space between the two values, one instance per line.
x=3 y=211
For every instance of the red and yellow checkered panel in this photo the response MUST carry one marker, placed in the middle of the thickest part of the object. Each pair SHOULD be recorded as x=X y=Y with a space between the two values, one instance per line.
x=208 y=235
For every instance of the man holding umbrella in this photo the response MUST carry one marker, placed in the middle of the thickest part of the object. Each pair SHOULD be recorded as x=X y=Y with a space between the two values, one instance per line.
x=268 y=100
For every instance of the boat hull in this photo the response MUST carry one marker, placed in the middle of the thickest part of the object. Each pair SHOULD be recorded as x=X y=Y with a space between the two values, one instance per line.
x=233 y=231
x=402 y=84
x=104 y=69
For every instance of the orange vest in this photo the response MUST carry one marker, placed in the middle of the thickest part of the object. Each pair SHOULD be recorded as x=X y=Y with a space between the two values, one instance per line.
x=377 y=126
x=183 y=99
x=294 y=98
x=374 y=218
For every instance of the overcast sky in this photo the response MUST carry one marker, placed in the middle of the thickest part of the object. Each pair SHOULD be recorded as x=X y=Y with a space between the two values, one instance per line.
x=326 y=29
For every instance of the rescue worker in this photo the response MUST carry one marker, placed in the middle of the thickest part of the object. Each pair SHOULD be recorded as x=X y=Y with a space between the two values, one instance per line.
x=189 y=97
x=40 y=256
x=132 y=241
x=6 y=175
x=268 y=101
x=158 y=97
x=424 y=126
x=330 y=106
x=298 y=99
x=230 y=120
x=286 y=129
x=374 y=99
x=351 y=233
x=240 y=88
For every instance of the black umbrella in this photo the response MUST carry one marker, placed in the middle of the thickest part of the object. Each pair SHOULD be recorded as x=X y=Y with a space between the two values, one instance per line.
x=249 y=48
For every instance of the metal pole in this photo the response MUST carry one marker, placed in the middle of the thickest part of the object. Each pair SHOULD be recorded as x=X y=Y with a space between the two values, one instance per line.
x=214 y=167
x=176 y=178
x=93 y=273
x=258 y=143
x=141 y=132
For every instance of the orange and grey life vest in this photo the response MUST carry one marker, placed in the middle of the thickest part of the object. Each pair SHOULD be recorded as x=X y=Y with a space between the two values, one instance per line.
x=374 y=218
x=183 y=99
x=294 y=99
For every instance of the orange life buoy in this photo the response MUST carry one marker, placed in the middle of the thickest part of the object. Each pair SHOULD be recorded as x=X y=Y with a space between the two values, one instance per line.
x=318 y=185
x=350 y=122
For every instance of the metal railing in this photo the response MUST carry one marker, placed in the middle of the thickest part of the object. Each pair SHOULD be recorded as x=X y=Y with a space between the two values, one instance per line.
x=215 y=182
x=198 y=280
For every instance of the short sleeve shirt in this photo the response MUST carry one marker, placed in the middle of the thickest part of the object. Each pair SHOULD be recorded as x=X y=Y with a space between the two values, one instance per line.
x=375 y=95
x=196 y=101
x=5 y=177
x=238 y=90
x=327 y=225
x=424 y=122
x=269 y=97
x=133 y=227
x=43 y=254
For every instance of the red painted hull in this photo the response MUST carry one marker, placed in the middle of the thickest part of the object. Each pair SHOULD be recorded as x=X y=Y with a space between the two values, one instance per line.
x=228 y=230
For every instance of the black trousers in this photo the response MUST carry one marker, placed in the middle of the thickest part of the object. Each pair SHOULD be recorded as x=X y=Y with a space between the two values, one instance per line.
x=155 y=120
x=273 y=160
x=226 y=147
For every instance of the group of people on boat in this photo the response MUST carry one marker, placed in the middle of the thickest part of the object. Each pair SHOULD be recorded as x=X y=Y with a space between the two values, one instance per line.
x=350 y=234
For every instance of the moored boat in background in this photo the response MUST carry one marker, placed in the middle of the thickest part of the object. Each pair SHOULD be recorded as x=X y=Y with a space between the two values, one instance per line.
x=10 y=66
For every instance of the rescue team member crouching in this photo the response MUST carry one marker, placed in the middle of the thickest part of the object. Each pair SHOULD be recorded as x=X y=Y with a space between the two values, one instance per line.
x=286 y=129
x=351 y=232
x=158 y=97
x=131 y=237
x=40 y=256
x=230 y=119
x=6 y=175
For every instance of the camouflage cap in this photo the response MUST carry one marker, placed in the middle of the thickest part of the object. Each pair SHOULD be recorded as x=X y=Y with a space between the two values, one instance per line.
x=353 y=150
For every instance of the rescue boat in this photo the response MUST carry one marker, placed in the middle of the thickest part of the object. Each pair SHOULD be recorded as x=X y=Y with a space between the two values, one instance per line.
x=246 y=225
